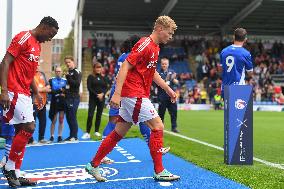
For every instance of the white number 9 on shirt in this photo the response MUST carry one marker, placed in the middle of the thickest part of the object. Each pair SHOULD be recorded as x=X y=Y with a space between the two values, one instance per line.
x=230 y=61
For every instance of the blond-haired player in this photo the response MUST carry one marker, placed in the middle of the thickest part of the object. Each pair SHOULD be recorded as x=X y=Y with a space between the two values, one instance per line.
x=132 y=91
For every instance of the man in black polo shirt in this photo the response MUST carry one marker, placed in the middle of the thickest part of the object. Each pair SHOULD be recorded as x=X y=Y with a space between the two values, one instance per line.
x=73 y=77
x=164 y=99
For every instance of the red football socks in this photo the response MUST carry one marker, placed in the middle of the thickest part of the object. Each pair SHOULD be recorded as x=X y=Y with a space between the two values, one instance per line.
x=155 y=145
x=19 y=144
x=106 y=147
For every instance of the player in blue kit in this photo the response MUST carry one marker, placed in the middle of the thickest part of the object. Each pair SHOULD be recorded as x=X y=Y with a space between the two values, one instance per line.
x=114 y=112
x=8 y=132
x=235 y=60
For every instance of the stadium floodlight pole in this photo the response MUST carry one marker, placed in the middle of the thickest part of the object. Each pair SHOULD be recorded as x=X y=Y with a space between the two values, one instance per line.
x=168 y=8
x=242 y=15
x=9 y=22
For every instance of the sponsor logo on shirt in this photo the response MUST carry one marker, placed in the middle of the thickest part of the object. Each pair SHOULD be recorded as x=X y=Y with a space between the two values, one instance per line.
x=152 y=64
x=33 y=58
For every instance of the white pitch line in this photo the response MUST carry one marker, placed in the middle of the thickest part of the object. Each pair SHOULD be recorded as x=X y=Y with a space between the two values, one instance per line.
x=75 y=166
x=276 y=165
x=90 y=182
x=63 y=143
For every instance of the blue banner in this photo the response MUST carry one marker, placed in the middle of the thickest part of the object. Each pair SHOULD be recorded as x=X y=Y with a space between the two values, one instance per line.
x=238 y=125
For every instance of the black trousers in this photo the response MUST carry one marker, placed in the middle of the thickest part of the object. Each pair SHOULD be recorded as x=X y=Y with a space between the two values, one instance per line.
x=165 y=104
x=94 y=103
x=72 y=104
x=41 y=115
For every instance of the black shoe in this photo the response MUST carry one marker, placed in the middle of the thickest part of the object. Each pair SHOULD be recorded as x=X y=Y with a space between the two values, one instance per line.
x=175 y=131
x=31 y=140
x=11 y=177
x=59 y=139
x=51 y=139
x=67 y=139
x=44 y=141
x=26 y=182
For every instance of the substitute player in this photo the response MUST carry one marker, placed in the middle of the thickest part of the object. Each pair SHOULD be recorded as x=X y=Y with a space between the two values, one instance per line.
x=235 y=60
x=133 y=85
x=18 y=69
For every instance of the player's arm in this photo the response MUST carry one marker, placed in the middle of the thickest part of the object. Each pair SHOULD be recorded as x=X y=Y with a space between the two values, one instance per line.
x=161 y=83
x=4 y=98
x=120 y=78
x=249 y=65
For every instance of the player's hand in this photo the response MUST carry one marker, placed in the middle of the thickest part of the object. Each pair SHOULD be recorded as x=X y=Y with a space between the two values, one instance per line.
x=5 y=100
x=39 y=100
x=172 y=94
x=115 y=101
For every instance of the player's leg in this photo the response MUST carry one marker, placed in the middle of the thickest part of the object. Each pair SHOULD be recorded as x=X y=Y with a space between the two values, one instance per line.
x=149 y=115
x=60 y=126
x=35 y=115
x=110 y=126
x=155 y=145
x=7 y=132
x=146 y=133
x=12 y=168
x=24 y=132
x=113 y=117
x=106 y=147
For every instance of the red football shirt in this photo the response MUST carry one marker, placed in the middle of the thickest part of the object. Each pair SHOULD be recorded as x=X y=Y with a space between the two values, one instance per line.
x=144 y=58
x=26 y=51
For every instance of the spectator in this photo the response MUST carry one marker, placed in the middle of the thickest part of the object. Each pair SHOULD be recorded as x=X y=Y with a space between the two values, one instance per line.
x=97 y=87
x=73 y=77
x=40 y=112
x=164 y=100
x=217 y=101
x=203 y=95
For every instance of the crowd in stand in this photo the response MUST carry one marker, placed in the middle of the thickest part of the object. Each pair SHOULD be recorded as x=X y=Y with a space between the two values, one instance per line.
x=203 y=81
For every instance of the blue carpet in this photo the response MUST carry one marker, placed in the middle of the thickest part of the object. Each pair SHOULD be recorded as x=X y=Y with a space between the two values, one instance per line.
x=62 y=166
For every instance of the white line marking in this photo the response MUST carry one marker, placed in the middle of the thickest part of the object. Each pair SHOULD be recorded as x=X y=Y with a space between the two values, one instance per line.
x=74 y=166
x=63 y=143
x=276 y=165
x=90 y=182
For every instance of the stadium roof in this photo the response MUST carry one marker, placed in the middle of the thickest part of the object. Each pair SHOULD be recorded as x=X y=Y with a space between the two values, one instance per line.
x=196 y=17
